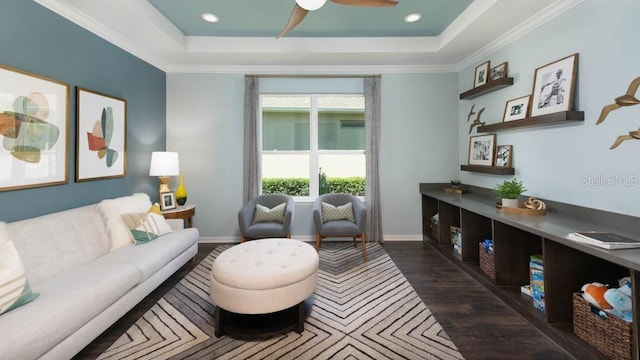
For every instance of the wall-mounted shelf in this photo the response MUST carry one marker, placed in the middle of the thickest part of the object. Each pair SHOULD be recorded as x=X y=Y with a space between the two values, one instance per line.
x=496 y=170
x=563 y=117
x=487 y=88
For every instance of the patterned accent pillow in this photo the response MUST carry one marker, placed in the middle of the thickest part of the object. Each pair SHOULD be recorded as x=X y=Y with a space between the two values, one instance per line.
x=112 y=210
x=264 y=214
x=14 y=287
x=342 y=212
x=144 y=227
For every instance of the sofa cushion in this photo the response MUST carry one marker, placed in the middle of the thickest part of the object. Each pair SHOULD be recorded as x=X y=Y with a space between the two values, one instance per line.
x=67 y=302
x=145 y=227
x=51 y=243
x=112 y=209
x=14 y=287
x=264 y=214
x=342 y=212
x=152 y=256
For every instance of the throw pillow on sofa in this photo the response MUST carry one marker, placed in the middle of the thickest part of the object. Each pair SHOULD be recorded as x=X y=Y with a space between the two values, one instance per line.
x=112 y=211
x=264 y=214
x=144 y=227
x=14 y=287
x=342 y=212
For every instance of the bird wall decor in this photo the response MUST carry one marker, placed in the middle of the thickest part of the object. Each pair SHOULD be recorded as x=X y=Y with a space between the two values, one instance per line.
x=477 y=121
x=628 y=99
x=471 y=112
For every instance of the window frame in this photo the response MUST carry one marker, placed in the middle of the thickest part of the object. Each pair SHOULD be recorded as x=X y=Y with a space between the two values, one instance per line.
x=314 y=151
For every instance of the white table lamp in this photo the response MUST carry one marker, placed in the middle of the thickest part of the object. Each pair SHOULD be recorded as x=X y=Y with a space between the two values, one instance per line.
x=163 y=165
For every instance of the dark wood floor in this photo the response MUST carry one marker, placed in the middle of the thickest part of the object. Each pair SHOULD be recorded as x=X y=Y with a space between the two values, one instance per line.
x=479 y=323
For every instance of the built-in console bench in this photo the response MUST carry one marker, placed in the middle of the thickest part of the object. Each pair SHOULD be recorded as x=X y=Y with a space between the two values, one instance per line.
x=567 y=264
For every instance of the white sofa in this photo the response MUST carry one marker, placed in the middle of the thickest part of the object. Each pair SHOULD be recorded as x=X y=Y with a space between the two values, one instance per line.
x=84 y=285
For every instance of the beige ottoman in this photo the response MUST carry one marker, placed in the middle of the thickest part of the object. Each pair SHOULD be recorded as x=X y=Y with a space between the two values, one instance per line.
x=261 y=277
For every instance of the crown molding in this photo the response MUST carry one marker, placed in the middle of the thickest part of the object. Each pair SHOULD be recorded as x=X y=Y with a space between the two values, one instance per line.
x=145 y=33
x=547 y=14
x=81 y=19
x=308 y=70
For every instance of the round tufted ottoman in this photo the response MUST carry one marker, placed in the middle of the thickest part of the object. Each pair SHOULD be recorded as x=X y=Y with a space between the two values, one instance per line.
x=262 y=277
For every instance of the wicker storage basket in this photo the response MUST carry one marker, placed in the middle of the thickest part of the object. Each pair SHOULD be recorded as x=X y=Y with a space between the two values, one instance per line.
x=611 y=335
x=486 y=262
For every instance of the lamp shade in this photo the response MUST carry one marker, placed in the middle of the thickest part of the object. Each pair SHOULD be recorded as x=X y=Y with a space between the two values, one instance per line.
x=164 y=163
x=310 y=4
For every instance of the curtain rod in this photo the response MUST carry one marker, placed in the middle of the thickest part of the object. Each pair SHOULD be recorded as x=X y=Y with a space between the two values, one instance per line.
x=309 y=76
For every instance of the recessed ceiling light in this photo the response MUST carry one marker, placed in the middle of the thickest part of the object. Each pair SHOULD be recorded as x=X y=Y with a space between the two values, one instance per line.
x=412 y=17
x=210 y=17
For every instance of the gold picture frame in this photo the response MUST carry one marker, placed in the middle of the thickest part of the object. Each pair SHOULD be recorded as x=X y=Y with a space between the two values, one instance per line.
x=101 y=141
x=34 y=130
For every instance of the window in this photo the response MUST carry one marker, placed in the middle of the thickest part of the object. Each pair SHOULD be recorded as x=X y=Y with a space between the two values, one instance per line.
x=312 y=144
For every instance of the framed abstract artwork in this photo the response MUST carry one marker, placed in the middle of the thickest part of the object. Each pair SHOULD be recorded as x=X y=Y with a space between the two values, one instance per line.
x=482 y=149
x=101 y=136
x=34 y=130
x=553 y=86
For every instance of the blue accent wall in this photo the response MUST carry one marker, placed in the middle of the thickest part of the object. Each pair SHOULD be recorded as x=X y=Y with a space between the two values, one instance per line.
x=36 y=40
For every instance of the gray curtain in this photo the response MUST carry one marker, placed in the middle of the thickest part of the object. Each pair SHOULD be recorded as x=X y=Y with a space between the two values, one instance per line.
x=251 y=174
x=372 y=149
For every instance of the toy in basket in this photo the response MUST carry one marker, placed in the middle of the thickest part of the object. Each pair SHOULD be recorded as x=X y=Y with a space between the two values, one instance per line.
x=602 y=317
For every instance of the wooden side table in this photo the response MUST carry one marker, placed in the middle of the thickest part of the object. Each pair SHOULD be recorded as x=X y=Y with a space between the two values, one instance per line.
x=184 y=212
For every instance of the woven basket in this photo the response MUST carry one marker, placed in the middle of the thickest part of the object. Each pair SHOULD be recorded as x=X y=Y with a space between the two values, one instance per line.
x=486 y=262
x=611 y=335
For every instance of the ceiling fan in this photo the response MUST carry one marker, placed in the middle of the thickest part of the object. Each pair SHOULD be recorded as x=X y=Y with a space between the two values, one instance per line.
x=302 y=8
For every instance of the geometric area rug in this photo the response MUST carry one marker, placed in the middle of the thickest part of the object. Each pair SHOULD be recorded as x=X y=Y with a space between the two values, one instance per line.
x=360 y=311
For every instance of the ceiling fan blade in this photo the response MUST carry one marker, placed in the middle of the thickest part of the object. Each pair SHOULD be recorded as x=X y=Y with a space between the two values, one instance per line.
x=366 y=2
x=297 y=15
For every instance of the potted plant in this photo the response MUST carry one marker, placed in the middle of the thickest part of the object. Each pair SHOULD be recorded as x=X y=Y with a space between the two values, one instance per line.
x=509 y=191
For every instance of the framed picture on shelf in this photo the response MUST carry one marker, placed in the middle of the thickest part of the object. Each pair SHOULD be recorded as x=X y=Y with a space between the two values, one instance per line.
x=516 y=109
x=482 y=74
x=499 y=72
x=553 y=86
x=167 y=201
x=34 y=130
x=503 y=155
x=482 y=149
x=101 y=136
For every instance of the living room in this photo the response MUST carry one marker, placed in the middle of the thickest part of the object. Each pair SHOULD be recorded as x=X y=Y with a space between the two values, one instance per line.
x=424 y=125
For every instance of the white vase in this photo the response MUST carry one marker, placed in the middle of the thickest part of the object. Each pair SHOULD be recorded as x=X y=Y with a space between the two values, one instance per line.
x=510 y=203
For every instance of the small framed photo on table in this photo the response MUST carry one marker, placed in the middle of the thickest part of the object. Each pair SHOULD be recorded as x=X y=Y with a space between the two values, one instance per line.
x=553 y=86
x=516 y=109
x=482 y=149
x=482 y=74
x=167 y=201
x=503 y=155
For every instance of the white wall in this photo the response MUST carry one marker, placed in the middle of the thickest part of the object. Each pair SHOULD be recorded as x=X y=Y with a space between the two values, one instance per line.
x=570 y=163
x=205 y=122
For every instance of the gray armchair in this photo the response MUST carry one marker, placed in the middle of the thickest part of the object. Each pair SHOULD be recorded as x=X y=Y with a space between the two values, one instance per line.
x=272 y=229
x=341 y=228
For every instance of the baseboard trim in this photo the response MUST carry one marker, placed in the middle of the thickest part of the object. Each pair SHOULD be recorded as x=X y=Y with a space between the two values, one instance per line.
x=305 y=238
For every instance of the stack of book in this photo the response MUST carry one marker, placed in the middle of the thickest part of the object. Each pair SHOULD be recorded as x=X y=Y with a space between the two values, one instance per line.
x=605 y=240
